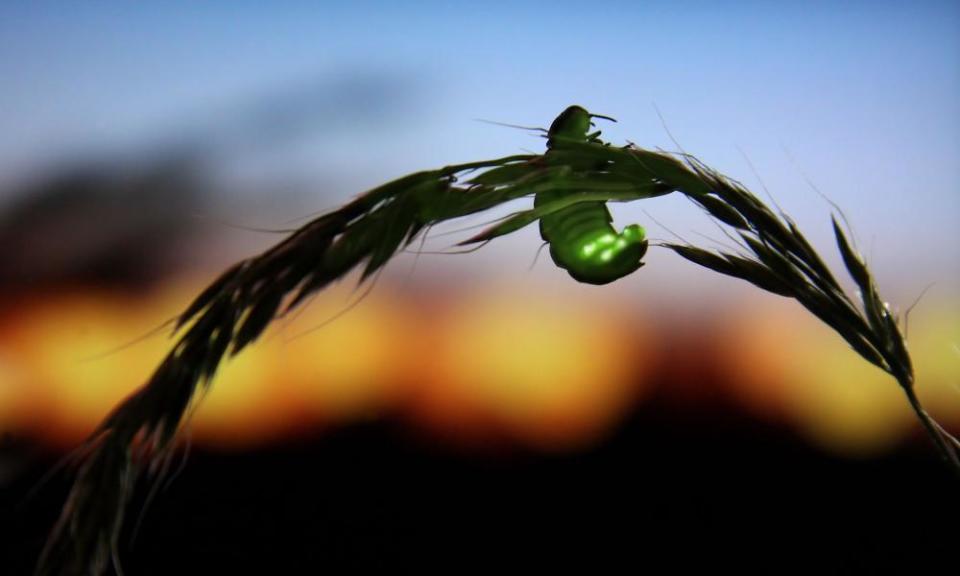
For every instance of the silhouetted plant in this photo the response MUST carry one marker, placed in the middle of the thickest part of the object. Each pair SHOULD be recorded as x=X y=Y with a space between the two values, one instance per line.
x=578 y=171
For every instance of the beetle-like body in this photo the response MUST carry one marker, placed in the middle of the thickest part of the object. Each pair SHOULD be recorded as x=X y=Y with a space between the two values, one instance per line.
x=582 y=238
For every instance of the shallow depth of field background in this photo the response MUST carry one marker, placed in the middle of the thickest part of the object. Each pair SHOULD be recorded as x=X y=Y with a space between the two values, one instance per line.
x=481 y=404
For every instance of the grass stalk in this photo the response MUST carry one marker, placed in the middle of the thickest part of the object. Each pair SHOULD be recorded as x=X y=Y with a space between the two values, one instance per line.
x=136 y=439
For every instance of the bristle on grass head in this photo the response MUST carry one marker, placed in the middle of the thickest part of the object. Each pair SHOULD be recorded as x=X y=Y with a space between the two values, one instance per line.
x=365 y=234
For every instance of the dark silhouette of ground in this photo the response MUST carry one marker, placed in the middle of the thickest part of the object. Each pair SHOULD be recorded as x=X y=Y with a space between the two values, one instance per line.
x=667 y=490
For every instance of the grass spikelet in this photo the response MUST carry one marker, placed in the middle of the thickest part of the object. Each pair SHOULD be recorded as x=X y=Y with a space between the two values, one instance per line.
x=785 y=263
x=237 y=307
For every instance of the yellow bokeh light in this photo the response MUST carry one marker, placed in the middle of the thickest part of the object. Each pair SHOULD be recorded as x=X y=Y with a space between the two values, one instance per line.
x=244 y=403
x=348 y=368
x=934 y=341
x=788 y=364
x=12 y=396
x=554 y=372
x=60 y=353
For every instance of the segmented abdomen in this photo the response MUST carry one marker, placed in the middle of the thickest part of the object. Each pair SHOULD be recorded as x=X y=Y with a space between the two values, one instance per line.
x=584 y=243
x=573 y=224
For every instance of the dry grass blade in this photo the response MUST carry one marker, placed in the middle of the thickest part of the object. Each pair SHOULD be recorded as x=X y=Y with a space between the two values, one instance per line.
x=227 y=317
x=785 y=263
x=239 y=305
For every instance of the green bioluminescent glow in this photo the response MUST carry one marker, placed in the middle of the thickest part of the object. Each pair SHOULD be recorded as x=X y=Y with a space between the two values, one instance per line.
x=582 y=240
x=570 y=185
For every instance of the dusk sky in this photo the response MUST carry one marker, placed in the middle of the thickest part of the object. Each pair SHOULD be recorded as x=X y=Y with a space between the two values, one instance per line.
x=483 y=408
x=861 y=97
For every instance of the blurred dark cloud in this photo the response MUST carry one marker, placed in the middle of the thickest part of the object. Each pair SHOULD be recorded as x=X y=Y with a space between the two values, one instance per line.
x=317 y=108
x=321 y=107
x=100 y=224
x=125 y=218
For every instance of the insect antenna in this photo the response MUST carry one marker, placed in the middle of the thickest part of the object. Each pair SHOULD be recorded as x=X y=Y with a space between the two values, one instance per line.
x=614 y=120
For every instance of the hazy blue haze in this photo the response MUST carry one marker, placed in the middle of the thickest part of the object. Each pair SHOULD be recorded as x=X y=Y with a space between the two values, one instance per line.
x=865 y=96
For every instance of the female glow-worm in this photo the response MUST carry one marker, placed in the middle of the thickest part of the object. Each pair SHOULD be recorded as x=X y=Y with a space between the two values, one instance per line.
x=581 y=237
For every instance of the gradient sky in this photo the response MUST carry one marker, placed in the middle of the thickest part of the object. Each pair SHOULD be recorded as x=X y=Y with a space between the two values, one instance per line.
x=863 y=97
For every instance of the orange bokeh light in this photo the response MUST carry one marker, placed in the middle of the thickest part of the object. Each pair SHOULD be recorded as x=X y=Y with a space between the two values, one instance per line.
x=55 y=352
x=532 y=366
x=547 y=371
x=789 y=365
x=544 y=371
x=351 y=367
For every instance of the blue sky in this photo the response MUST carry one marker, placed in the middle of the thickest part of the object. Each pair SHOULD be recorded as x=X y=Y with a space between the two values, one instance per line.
x=863 y=97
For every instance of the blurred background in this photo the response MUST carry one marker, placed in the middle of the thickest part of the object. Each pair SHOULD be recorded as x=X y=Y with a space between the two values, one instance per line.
x=482 y=407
